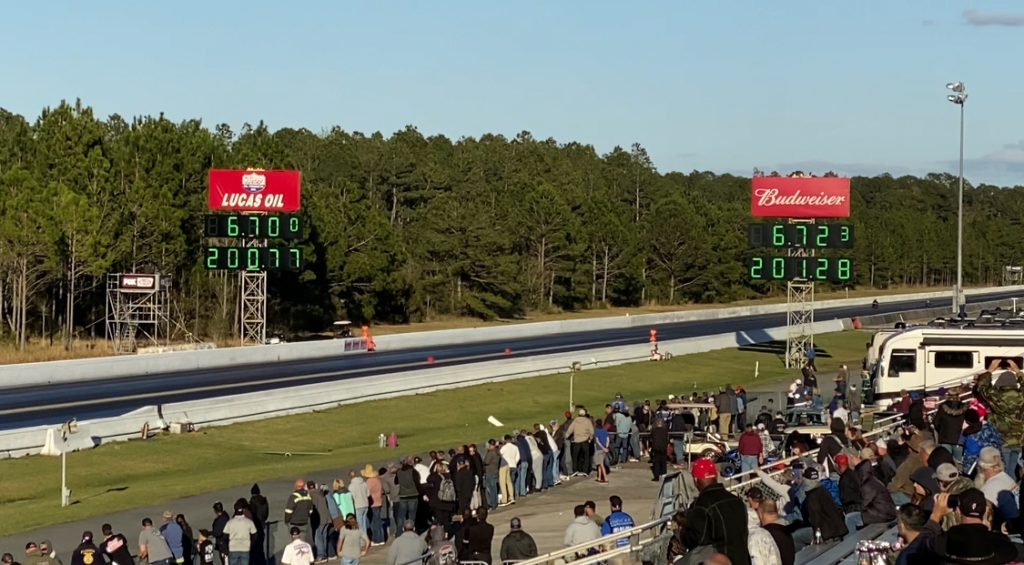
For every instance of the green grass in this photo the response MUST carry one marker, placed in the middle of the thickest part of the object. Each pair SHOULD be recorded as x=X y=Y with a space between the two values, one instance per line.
x=169 y=467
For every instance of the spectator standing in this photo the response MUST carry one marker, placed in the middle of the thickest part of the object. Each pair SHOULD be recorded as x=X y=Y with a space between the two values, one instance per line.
x=320 y=522
x=854 y=401
x=85 y=554
x=220 y=539
x=717 y=518
x=464 y=484
x=751 y=449
x=375 y=488
x=522 y=471
x=978 y=434
x=509 y=462
x=723 y=404
x=659 y=449
x=297 y=511
x=298 y=552
x=344 y=500
x=536 y=462
x=492 y=469
x=441 y=495
x=353 y=543
x=517 y=545
x=152 y=546
x=240 y=531
x=408 y=481
x=115 y=547
x=478 y=537
x=544 y=444
x=35 y=556
x=188 y=540
x=260 y=514
x=174 y=537
x=623 y=429
x=407 y=547
x=581 y=432
x=361 y=496
x=602 y=447
x=387 y=484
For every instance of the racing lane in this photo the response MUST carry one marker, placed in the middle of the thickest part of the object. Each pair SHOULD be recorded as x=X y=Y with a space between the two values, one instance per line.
x=52 y=404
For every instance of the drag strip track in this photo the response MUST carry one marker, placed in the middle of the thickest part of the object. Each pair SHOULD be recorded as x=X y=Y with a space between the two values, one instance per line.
x=50 y=404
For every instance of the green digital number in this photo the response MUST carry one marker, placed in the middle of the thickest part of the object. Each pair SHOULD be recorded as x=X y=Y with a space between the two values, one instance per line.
x=294 y=258
x=233 y=226
x=212 y=257
x=843 y=269
x=821 y=269
x=801 y=236
x=273 y=258
x=254 y=226
x=252 y=259
x=822 y=239
x=757 y=268
x=778 y=268
x=274 y=226
x=778 y=235
x=294 y=226
x=844 y=234
x=802 y=265
x=232 y=257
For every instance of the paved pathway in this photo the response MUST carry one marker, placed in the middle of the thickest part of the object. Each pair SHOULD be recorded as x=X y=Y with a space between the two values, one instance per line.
x=544 y=516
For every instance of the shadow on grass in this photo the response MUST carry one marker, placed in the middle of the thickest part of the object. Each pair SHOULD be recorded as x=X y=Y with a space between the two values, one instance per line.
x=778 y=348
x=91 y=496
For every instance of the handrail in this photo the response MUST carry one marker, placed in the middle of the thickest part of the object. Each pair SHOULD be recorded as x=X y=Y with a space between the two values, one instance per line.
x=598 y=543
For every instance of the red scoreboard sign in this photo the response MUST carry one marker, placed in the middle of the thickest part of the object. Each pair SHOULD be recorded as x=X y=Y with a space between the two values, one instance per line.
x=255 y=191
x=793 y=197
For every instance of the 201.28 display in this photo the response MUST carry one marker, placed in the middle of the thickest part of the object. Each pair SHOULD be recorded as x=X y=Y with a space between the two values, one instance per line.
x=811 y=269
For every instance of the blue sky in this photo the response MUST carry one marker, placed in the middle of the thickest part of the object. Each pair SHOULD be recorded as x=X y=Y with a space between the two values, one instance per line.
x=716 y=85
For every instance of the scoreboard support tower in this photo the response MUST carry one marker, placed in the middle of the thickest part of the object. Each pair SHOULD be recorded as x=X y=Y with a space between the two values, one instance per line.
x=799 y=310
x=253 y=319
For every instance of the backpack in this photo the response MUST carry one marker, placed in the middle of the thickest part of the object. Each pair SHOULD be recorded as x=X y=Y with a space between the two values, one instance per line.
x=446 y=492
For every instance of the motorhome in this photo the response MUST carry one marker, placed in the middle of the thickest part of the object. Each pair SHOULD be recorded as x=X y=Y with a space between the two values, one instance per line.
x=929 y=358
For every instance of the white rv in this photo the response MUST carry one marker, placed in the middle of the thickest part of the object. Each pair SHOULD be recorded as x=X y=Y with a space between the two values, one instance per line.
x=928 y=358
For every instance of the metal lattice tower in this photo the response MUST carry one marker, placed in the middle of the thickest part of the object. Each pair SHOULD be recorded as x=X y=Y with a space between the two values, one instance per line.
x=135 y=311
x=800 y=311
x=254 y=303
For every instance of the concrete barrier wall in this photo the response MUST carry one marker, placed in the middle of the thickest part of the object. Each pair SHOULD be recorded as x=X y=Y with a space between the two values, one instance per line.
x=56 y=372
x=113 y=367
x=928 y=314
x=261 y=405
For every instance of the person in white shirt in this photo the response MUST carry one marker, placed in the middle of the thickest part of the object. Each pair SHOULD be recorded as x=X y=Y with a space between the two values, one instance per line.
x=239 y=531
x=422 y=469
x=509 y=460
x=999 y=488
x=297 y=552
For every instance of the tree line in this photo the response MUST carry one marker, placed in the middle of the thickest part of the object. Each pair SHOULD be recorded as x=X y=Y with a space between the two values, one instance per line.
x=410 y=227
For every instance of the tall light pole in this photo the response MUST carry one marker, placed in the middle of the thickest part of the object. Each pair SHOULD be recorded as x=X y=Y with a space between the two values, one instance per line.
x=959 y=97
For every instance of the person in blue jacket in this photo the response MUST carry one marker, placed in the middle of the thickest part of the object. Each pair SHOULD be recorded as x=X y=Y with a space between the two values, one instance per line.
x=617 y=521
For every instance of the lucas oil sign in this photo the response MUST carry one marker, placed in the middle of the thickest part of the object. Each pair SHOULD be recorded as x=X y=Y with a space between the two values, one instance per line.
x=255 y=191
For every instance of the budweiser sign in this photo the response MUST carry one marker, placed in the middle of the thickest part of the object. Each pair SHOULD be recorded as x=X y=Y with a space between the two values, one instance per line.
x=255 y=191
x=783 y=197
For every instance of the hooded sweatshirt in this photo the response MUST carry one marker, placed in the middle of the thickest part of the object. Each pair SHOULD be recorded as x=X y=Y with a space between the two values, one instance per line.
x=581 y=530
x=924 y=476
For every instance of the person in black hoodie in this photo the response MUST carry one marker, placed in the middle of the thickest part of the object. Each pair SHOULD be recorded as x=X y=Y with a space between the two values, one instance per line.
x=260 y=514
x=949 y=424
x=220 y=539
x=464 y=484
x=935 y=455
x=442 y=509
x=916 y=414
x=86 y=553
x=659 y=449
x=832 y=445
x=477 y=538
x=717 y=517
x=820 y=512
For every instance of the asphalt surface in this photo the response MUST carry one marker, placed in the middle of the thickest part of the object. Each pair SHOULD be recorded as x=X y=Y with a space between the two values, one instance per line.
x=53 y=404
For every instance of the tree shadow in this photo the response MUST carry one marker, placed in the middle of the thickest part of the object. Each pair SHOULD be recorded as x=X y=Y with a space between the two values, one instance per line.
x=778 y=349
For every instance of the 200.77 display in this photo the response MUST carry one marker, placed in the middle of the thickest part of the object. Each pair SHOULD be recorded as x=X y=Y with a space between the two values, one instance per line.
x=254 y=258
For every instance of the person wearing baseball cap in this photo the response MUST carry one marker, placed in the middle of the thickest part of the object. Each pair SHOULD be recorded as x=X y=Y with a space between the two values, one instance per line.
x=972 y=541
x=517 y=545
x=717 y=517
x=819 y=510
x=876 y=506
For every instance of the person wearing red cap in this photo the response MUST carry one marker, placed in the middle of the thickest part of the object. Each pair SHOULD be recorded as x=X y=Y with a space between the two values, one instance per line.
x=717 y=517
x=298 y=509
